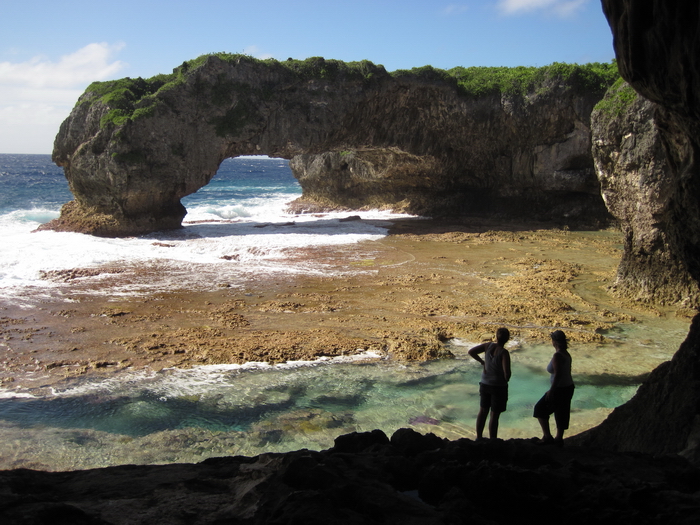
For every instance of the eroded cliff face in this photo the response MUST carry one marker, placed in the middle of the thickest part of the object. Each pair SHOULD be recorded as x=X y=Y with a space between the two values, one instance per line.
x=357 y=138
x=657 y=47
x=637 y=186
x=658 y=51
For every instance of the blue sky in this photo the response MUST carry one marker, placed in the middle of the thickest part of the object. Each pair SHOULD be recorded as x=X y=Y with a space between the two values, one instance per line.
x=51 y=50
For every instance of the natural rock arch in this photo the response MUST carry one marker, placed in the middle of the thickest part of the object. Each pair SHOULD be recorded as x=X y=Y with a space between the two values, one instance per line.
x=357 y=137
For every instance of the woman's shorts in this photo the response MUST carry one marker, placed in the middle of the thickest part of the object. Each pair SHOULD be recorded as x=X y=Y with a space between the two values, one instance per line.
x=493 y=397
x=558 y=404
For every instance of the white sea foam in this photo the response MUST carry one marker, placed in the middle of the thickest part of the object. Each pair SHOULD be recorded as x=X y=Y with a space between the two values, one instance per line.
x=8 y=394
x=197 y=380
x=205 y=252
x=235 y=230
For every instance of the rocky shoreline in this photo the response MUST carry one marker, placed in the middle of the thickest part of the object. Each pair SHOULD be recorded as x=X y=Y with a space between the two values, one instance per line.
x=427 y=282
x=368 y=478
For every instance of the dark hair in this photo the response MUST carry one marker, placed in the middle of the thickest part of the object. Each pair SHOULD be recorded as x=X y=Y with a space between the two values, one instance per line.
x=559 y=337
x=502 y=335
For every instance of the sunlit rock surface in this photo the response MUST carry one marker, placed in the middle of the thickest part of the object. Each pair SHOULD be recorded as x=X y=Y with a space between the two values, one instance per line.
x=638 y=184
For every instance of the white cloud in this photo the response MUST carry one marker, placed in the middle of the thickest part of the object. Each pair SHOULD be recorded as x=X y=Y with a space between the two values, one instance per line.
x=563 y=8
x=37 y=95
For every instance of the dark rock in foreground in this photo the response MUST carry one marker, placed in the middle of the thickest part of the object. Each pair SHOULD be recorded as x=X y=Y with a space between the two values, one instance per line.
x=367 y=478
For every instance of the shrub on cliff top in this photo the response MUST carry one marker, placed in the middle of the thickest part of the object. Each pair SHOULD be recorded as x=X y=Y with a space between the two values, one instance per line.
x=125 y=97
x=476 y=82
x=310 y=68
x=616 y=101
x=138 y=98
x=322 y=69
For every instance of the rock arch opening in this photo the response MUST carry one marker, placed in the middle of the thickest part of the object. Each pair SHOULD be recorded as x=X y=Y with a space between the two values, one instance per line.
x=243 y=187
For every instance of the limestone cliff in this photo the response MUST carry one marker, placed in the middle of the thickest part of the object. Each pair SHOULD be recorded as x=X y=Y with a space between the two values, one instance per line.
x=358 y=137
x=637 y=186
x=658 y=51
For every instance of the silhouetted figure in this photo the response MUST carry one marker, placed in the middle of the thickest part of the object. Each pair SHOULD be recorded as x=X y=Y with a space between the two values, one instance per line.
x=557 y=400
x=493 y=387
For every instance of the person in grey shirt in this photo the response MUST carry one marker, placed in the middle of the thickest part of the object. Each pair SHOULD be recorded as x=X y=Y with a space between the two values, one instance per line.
x=493 y=387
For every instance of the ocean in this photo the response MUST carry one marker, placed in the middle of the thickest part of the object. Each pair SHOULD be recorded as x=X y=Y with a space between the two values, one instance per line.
x=240 y=215
x=187 y=415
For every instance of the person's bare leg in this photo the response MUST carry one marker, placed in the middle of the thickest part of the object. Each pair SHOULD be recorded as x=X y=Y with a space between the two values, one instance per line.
x=559 y=438
x=481 y=422
x=546 y=433
x=493 y=424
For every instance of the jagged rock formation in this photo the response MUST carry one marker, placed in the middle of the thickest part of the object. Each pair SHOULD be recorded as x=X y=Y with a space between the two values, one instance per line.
x=367 y=478
x=636 y=185
x=357 y=136
x=658 y=52
x=657 y=48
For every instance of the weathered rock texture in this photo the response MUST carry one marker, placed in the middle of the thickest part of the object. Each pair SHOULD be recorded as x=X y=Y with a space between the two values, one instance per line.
x=367 y=478
x=657 y=47
x=658 y=50
x=637 y=185
x=357 y=138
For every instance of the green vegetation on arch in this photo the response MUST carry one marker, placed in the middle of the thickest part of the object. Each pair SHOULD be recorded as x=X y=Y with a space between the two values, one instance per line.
x=311 y=68
x=475 y=82
x=131 y=99
x=127 y=98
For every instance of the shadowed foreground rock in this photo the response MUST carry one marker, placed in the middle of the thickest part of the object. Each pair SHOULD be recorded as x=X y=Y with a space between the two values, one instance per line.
x=367 y=478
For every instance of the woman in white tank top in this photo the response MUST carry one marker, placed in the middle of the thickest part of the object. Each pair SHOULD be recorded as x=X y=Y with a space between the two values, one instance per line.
x=557 y=400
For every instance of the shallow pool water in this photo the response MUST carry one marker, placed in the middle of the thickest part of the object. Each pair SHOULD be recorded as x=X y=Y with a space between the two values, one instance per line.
x=188 y=415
